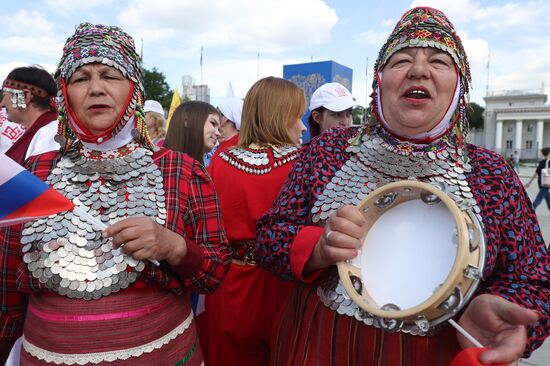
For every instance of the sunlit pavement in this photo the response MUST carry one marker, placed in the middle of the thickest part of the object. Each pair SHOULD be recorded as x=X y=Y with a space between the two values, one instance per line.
x=541 y=357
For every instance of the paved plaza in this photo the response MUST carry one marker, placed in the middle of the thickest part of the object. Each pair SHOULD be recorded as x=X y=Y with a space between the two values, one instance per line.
x=540 y=357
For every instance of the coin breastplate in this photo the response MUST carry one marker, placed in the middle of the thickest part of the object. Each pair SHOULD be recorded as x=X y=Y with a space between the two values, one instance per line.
x=65 y=252
x=373 y=163
x=256 y=161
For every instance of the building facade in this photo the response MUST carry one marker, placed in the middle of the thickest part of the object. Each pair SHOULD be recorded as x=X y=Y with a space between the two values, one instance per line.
x=515 y=120
x=311 y=75
x=192 y=91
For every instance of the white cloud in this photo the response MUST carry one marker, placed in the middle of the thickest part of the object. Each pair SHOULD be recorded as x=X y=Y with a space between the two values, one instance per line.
x=29 y=35
x=495 y=17
x=265 y=25
x=388 y=23
x=35 y=48
x=534 y=69
x=217 y=77
x=7 y=67
x=70 y=6
x=477 y=50
x=372 y=38
x=26 y=23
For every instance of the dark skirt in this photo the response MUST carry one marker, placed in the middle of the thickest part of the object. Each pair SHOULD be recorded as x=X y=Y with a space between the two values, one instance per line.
x=312 y=334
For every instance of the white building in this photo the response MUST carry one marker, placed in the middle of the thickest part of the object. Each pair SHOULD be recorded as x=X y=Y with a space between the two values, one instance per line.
x=193 y=91
x=515 y=121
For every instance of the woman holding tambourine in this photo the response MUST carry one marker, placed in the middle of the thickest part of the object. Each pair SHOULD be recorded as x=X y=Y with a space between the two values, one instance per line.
x=355 y=196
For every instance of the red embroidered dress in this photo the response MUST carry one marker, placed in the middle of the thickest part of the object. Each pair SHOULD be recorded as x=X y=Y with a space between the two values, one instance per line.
x=240 y=316
x=517 y=262
x=124 y=311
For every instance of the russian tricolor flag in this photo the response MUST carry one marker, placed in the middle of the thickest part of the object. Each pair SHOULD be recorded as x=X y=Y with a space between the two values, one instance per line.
x=24 y=197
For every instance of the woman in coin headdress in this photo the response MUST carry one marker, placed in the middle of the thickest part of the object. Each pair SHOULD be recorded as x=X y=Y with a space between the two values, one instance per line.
x=240 y=317
x=80 y=296
x=417 y=132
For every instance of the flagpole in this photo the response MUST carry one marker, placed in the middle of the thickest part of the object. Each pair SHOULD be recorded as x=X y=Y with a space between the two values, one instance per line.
x=258 y=68
x=201 y=66
x=367 y=83
x=98 y=224
x=488 y=64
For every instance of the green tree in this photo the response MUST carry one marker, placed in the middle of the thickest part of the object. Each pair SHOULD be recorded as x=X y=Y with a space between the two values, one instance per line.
x=157 y=88
x=357 y=115
x=476 y=115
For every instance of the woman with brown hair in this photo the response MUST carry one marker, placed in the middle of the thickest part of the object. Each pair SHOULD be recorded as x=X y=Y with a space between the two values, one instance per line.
x=194 y=129
x=241 y=315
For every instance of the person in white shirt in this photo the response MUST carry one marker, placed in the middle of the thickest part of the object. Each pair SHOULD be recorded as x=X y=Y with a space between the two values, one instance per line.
x=28 y=96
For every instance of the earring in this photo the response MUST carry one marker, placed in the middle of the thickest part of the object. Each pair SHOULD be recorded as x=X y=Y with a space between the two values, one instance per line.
x=18 y=99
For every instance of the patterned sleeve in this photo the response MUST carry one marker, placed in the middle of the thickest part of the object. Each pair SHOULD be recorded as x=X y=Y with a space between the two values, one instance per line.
x=518 y=265
x=203 y=225
x=290 y=216
x=14 y=302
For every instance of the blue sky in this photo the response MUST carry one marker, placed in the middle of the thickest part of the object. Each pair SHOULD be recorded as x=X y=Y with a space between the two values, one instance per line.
x=516 y=33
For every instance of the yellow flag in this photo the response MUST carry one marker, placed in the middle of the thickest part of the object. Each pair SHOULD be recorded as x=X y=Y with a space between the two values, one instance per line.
x=176 y=101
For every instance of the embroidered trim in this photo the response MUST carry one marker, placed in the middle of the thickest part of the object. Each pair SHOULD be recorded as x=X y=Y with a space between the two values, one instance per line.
x=257 y=161
x=111 y=154
x=110 y=356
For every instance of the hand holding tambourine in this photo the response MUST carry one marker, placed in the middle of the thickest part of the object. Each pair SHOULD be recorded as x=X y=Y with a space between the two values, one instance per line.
x=412 y=258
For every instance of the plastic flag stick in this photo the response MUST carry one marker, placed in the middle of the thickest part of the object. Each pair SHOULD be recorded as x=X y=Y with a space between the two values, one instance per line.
x=465 y=333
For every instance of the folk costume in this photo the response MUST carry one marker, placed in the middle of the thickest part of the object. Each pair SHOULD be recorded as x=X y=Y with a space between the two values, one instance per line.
x=75 y=298
x=321 y=325
x=9 y=131
x=39 y=137
x=242 y=313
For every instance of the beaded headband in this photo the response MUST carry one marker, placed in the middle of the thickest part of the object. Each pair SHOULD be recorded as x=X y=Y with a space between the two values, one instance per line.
x=111 y=46
x=19 y=85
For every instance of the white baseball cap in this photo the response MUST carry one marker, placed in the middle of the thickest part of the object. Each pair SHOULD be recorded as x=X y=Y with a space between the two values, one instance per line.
x=153 y=106
x=332 y=96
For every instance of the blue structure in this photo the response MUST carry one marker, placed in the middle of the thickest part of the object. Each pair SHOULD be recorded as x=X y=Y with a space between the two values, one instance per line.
x=309 y=76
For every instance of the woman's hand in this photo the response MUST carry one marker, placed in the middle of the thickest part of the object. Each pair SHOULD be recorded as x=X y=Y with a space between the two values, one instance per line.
x=343 y=235
x=142 y=238
x=498 y=324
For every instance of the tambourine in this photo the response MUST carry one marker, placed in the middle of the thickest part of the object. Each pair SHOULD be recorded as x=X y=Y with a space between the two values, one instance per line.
x=421 y=261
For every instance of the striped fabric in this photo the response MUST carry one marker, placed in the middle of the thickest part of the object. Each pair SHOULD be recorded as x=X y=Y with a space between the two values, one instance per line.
x=192 y=211
x=127 y=328
x=313 y=334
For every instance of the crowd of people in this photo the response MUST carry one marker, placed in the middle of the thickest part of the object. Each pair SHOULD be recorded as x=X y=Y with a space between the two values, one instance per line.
x=229 y=202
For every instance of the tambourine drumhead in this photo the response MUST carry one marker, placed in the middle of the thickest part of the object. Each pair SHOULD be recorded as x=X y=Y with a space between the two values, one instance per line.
x=417 y=250
x=408 y=252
